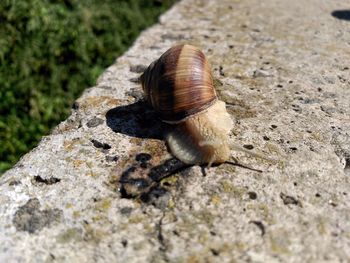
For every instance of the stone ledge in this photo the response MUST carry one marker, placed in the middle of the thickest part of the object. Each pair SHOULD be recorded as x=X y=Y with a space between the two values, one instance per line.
x=283 y=70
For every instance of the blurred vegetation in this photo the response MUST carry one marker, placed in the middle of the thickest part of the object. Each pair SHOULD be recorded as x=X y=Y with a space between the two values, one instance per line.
x=50 y=51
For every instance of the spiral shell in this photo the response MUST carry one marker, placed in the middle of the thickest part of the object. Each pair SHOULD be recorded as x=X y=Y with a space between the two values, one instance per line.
x=179 y=84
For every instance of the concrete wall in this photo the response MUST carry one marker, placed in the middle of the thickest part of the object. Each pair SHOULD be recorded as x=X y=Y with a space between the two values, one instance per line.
x=282 y=67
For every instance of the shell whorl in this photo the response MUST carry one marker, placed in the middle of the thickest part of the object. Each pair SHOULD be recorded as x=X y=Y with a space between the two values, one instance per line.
x=179 y=84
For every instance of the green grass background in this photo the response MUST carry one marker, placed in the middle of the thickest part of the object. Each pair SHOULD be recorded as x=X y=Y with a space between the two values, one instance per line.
x=50 y=51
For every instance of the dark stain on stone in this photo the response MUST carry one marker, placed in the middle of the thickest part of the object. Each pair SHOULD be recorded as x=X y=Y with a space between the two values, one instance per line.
x=30 y=218
x=137 y=120
x=98 y=144
x=260 y=225
x=138 y=68
x=158 y=197
x=143 y=157
x=110 y=158
x=166 y=169
x=289 y=200
x=144 y=183
x=133 y=182
x=145 y=165
x=94 y=122
x=47 y=181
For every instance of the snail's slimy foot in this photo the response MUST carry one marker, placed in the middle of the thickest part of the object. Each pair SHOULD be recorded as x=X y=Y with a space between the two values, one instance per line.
x=210 y=143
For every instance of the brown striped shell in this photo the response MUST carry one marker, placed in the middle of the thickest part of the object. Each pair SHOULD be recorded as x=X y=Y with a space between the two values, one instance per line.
x=179 y=84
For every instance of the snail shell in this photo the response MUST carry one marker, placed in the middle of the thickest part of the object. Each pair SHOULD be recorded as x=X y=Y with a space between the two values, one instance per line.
x=179 y=86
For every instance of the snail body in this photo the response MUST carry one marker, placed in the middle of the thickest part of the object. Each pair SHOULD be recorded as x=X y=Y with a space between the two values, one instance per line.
x=179 y=86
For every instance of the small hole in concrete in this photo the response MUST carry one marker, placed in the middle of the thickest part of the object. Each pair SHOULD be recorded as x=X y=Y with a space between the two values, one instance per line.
x=347 y=166
x=248 y=146
x=289 y=200
x=266 y=138
x=215 y=252
x=98 y=144
x=110 y=158
x=252 y=195
x=125 y=243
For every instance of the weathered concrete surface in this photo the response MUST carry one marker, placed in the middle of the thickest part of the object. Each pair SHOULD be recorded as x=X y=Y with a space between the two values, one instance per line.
x=283 y=69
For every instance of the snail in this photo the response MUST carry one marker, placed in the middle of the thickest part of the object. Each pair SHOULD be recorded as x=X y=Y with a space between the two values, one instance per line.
x=179 y=87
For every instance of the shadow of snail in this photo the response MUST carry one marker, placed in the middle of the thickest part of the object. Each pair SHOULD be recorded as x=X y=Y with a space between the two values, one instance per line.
x=182 y=108
x=140 y=179
x=341 y=14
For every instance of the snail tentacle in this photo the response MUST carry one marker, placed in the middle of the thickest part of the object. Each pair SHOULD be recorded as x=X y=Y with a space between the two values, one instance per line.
x=237 y=147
